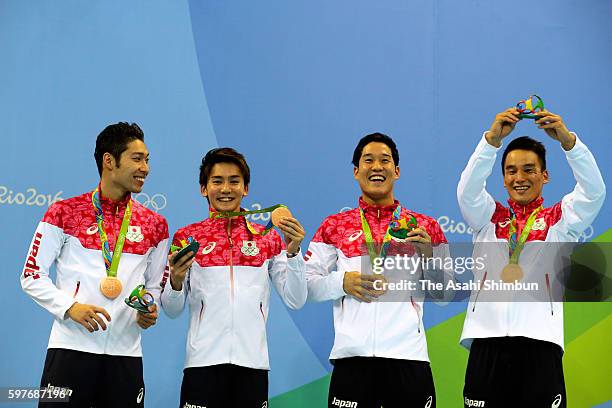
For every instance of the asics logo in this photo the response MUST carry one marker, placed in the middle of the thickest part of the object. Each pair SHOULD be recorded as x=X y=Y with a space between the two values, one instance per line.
x=557 y=402
x=355 y=235
x=208 y=248
x=429 y=402
x=504 y=224
x=140 y=395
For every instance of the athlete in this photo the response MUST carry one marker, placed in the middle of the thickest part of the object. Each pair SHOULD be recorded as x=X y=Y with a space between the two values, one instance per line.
x=226 y=285
x=516 y=347
x=94 y=353
x=380 y=351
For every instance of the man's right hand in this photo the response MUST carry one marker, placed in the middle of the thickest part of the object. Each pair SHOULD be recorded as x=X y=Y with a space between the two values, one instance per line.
x=88 y=316
x=179 y=270
x=362 y=286
x=502 y=126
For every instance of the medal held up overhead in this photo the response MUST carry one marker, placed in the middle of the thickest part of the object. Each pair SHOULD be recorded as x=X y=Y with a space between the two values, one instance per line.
x=529 y=107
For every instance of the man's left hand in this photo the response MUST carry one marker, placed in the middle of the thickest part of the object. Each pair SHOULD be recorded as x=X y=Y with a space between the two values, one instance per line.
x=293 y=233
x=146 y=320
x=422 y=241
x=555 y=128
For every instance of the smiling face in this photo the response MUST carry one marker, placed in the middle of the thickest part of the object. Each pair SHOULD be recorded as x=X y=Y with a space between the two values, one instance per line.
x=127 y=175
x=376 y=174
x=225 y=187
x=523 y=176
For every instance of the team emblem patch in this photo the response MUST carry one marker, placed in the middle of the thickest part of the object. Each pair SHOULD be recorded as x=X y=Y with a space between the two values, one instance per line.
x=134 y=234
x=249 y=248
x=539 y=225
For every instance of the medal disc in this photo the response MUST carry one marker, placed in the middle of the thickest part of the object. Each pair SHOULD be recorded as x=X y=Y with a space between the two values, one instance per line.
x=111 y=287
x=279 y=213
x=512 y=273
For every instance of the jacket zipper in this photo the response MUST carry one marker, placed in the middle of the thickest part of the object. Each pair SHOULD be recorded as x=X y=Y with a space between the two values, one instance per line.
x=231 y=261
x=376 y=303
x=231 y=265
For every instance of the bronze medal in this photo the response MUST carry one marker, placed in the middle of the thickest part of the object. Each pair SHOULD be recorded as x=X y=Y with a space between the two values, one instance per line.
x=111 y=287
x=279 y=213
x=512 y=273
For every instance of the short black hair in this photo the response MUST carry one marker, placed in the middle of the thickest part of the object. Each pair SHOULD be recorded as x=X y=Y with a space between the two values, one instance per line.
x=114 y=140
x=375 y=137
x=525 y=143
x=224 y=155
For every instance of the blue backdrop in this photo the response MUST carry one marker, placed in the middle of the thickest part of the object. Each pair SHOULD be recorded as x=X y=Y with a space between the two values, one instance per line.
x=292 y=85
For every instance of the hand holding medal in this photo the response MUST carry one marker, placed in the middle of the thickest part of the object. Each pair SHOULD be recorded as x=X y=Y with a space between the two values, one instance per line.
x=144 y=303
x=180 y=261
x=140 y=299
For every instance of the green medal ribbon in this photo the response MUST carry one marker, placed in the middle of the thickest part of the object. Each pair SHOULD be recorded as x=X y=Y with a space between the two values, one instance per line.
x=516 y=246
x=229 y=214
x=111 y=262
x=370 y=243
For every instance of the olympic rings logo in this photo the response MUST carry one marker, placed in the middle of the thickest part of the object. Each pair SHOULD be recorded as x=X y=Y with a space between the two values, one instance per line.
x=155 y=202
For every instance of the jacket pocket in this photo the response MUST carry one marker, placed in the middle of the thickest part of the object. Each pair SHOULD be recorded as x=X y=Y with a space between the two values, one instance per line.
x=484 y=278
x=416 y=308
x=263 y=316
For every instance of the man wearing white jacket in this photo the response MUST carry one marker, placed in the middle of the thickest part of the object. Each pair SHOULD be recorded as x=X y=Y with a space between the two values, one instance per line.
x=94 y=351
x=227 y=287
x=516 y=347
x=380 y=350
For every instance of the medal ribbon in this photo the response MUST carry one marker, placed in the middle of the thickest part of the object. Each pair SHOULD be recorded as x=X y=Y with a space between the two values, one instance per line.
x=111 y=261
x=516 y=246
x=370 y=243
x=229 y=214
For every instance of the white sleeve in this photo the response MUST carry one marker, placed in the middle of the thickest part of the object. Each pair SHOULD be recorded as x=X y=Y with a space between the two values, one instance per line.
x=324 y=283
x=173 y=301
x=287 y=275
x=476 y=204
x=156 y=264
x=581 y=206
x=35 y=281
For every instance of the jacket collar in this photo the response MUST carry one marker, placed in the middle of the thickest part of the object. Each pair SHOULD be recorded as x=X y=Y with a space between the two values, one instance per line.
x=377 y=209
x=523 y=211
x=235 y=220
x=108 y=203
